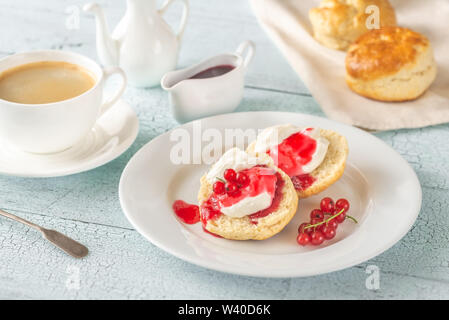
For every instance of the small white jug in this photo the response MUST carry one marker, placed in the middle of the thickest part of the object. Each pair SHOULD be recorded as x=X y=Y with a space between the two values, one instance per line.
x=142 y=44
x=194 y=95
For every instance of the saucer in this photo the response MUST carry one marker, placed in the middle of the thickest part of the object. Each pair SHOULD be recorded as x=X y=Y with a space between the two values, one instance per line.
x=111 y=136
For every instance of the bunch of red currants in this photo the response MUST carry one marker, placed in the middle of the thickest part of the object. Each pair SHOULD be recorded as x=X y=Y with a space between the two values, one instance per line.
x=234 y=181
x=323 y=222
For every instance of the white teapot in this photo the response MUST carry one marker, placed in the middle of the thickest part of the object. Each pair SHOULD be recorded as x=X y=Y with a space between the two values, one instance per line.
x=142 y=44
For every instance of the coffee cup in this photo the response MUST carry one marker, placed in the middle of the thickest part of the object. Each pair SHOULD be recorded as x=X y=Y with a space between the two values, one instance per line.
x=58 y=125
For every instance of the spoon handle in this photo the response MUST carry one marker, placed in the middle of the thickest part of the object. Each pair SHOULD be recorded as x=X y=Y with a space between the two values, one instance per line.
x=70 y=246
x=21 y=220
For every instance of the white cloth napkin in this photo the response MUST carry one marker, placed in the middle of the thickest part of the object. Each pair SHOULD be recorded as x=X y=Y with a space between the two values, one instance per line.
x=323 y=71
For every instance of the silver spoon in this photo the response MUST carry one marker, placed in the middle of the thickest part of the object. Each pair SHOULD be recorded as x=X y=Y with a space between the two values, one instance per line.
x=70 y=246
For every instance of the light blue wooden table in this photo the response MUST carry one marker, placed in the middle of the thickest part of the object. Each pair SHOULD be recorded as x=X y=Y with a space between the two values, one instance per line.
x=125 y=266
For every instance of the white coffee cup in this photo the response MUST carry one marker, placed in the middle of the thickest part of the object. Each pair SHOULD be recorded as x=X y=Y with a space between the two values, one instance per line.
x=53 y=127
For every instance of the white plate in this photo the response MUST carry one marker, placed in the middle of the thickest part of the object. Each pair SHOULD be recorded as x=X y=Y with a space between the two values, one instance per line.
x=111 y=136
x=383 y=190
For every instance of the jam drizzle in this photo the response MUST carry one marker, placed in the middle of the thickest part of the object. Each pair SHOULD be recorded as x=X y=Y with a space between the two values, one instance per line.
x=293 y=153
x=303 y=181
x=188 y=213
x=210 y=209
x=254 y=218
x=211 y=233
x=261 y=180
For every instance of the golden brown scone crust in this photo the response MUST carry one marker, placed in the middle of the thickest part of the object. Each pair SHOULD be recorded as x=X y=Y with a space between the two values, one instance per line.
x=338 y=23
x=390 y=64
x=384 y=52
x=242 y=228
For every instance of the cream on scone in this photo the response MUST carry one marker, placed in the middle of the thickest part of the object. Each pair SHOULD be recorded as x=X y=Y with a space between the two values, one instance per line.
x=260 y=208
x=313 y=158
x=390 y=64
x=338 y=23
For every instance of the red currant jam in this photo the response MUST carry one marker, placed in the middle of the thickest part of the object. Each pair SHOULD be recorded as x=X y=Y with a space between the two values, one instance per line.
x=303 y=181
x=210 y=209
x=293 y=153
x=260 y=179
x=188 y=213
x=211 y=233
x=274 y=204
x=213 y=72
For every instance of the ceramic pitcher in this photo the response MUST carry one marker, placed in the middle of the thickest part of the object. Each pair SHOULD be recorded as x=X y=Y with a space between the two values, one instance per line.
x=142 y=43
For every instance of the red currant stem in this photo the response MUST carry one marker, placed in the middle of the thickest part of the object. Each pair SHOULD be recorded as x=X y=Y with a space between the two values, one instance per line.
x=325 y=221
x=347 y=216
x=352 y=218
x=220 y=179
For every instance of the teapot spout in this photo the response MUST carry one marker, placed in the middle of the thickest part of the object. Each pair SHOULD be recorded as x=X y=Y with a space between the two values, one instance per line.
x=107 y=47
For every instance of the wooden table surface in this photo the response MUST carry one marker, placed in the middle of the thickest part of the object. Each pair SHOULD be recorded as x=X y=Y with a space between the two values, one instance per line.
x=121 y=263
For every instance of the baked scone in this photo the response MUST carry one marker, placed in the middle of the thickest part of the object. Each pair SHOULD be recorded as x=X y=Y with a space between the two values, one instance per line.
x=338 y=23
x=390 y=64
x=331 y=152
x=258 y=225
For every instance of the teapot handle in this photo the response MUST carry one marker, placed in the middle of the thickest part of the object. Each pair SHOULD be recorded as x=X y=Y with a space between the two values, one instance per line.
x=185 y=14
x=246 y=46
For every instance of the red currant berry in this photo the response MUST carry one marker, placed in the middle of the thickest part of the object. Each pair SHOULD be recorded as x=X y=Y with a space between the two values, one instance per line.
x=303 y=239
x=232 y=189
x=242 y=179
x=219 y=187
x=328 y=232
x=342 y=204
x=316 y=220
x=321 y=227
x=317 y=238
x=333 y=224
x=341 y=217
x=316 y=213
x=327 y=205
x=306 y=231
x=229 y=175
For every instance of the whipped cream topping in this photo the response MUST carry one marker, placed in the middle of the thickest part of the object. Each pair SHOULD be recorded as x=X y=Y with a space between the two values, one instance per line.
x=232 y=159
x=271 y=137
x=240 y=160
x=248 y=205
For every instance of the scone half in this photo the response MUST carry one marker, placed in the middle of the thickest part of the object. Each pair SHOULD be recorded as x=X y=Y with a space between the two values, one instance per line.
x=243 y=228
x=329 y=171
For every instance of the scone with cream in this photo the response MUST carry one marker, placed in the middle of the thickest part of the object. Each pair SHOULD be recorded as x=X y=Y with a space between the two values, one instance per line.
x=243 y=197
x=313 y=158
x=338 y=23
x=390 y=64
